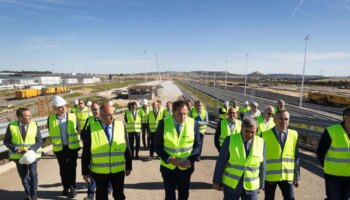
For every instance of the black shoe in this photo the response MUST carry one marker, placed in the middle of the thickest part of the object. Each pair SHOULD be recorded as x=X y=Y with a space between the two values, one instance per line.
x=27 y=198
x=198 y=159
x=33 y=198
x=137 y=157
x=65 y=192
x=72 y=192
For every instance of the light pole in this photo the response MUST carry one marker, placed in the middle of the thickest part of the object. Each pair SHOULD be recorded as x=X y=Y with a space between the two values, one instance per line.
x=225 y=74
x=214 y=75
x=302 y=79
x=246 y=74
x=145 y=67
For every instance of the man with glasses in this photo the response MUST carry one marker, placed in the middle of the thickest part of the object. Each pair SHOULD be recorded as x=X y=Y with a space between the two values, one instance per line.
x=82 y=112
x=226 y=127
x=282 y=160
x=333 y=152
x=265 y=121
x=106 y=155
x=21 y=136
x=64 y=129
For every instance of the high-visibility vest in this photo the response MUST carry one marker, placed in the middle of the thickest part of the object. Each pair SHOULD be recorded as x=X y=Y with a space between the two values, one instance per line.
x=55 y=132
x=133 y=125
x=82 y=115
x=144 y=114
x=167 y=113
x=244 y=109
x=226 y=131
x=280 y=163
x=239 y=164
x=224 y=112
x=90 y=120
x=276 y=109
x=190 y=111
x=178 y=146
x=17 y=140
x=153 y=121
x=194 y=114
x=261 y=124
x=107 y=157
x=337 y=159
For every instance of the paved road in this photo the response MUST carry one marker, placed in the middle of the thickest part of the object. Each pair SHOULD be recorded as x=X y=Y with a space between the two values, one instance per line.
x=145 y=181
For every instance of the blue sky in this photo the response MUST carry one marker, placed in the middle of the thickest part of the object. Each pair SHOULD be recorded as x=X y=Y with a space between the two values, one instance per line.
x=110 y=36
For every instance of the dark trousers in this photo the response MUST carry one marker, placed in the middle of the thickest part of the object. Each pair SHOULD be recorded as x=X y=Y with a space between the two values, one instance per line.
x=67 y=161
x=202 y=142
x=152 y=143
x=29 y=178
x=132 y=137
x=102 y=182
x=337 y=189
x=176 y=178
x=285 y=186
x=144 y=135
x=239 y=192
x=92 y=188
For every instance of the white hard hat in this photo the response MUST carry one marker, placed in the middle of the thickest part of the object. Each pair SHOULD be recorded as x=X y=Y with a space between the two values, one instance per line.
x=28 y=158
x=226 y=103
x=76 y=101
x=246 y=103
x=58 y=101
x=144 y=102
x=253 y=103
x=110 y=103
x=89 y=103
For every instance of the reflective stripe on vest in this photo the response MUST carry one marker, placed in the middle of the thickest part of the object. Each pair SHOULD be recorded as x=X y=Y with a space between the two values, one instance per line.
x=280 y=163
x=261 y=124
x=107 y=157
x=55 y=132
x=240 y=165
x=17 y=140
x=153 y=122
x=82 y=115
x=178 y=146
x=144 y=114
x=133 y=125
x=194 y=113
x=337 y=159
x=226 y=131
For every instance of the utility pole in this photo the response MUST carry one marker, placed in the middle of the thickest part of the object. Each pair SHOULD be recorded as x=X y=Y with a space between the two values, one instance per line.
x=160 y=77
x=302 y=80
x=225 y=74
x=215 y=75
x=246 y=74
x=145 y=68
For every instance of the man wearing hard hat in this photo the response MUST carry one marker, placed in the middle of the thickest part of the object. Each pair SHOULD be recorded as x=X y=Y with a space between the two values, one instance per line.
x=64 y=129
x=223 y=110
x=24 y=141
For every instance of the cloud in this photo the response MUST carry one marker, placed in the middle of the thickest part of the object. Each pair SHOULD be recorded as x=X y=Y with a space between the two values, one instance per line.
x=83 y=18
x=28 y=5
x=39 y=42
x=119 y=62
x=297 y=8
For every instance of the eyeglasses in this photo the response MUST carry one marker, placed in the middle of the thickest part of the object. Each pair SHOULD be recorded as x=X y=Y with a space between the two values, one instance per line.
x=270 y=114
x=81 y=103
x=231 y=113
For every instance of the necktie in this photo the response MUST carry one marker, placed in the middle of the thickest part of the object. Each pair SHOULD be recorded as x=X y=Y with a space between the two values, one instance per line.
x=23 y=132
x=282 y=139
x=178 y=129
x=107 y=134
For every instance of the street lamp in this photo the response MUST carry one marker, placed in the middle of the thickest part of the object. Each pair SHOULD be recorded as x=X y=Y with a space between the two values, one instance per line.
x=214 y=75
x=302 y=80
x=226 y=73
x=246 y=74
x=145 y=67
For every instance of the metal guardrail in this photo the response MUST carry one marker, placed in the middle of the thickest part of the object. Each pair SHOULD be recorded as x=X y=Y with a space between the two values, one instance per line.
x=41 y=122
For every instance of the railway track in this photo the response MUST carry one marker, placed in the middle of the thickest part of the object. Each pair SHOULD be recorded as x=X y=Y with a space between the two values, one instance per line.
x=228 y=95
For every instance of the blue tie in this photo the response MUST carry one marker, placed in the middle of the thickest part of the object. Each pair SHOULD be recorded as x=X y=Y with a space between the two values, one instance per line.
x=178 y=129
x=107 y=134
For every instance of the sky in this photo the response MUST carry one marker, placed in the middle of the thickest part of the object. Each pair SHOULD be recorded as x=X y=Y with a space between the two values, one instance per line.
x=127 y=36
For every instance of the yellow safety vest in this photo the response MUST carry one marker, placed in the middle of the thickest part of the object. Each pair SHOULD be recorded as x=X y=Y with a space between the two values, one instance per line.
x=133 y=125
x=153 y=121
x=261 y=124
x=244 y=109
x=241 y=165
x=82 y=115
x=224 y=114
x=280 y=163
x=55 y=132
x=337 y=159
x=166 y=113
x=226 y=131
x=178 y=146
x=144 y=114
x=17 y=139
x=194 y=113
x=90 y=120
x=107 y=157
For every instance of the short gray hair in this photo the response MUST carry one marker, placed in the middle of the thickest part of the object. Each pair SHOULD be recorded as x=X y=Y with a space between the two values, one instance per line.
x=249 y=123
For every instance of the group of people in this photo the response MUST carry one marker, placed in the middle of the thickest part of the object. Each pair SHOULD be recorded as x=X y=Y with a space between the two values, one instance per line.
x=257 y=151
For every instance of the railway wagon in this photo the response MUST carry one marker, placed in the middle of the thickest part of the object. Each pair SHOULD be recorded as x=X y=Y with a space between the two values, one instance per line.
x=61 y=89
x=27 y=93
x=49 y=90
x=329 y=98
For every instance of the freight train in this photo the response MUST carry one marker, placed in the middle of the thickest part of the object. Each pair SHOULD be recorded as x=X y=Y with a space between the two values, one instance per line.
x=30 y=93
x=338 y=99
